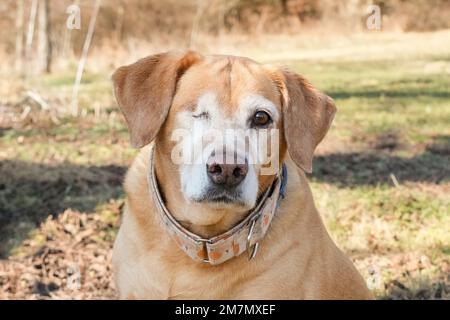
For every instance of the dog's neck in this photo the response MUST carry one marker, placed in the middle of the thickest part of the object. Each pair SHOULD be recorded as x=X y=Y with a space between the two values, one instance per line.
x=200 y=219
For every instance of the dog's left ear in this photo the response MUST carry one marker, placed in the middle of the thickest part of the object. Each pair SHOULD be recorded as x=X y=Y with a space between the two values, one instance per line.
x=307 y=116
x=144 y=91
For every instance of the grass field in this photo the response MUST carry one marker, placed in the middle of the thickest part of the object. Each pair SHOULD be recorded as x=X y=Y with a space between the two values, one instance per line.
x=381 y=178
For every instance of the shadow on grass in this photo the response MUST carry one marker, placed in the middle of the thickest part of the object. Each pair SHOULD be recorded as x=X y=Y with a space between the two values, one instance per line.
x=372 y=94
x=418 y=288
x=29 y=192
x=375 y=167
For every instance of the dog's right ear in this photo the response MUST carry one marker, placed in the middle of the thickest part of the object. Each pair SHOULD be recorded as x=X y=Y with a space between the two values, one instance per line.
x=144 y=91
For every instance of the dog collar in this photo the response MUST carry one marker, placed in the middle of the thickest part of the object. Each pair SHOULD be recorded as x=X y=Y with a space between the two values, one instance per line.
x=245 y=236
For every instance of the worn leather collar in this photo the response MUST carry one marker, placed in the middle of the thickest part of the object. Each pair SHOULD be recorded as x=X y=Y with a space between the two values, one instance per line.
x=245 y=236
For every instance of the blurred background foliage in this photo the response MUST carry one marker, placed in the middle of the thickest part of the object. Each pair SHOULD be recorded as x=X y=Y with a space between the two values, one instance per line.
x=151 y=20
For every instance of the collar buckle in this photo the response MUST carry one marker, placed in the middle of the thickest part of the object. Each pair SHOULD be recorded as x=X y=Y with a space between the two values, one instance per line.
x=252 y=249
x=204 y=244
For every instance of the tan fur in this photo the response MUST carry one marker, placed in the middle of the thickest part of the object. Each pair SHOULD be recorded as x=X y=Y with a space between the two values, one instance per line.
x=297 y=258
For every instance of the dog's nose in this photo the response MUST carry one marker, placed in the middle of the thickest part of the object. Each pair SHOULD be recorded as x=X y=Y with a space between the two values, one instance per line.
x=227 y=175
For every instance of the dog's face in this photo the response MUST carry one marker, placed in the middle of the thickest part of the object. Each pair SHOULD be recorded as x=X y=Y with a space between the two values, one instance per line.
x=220 y=109
x=223 y=122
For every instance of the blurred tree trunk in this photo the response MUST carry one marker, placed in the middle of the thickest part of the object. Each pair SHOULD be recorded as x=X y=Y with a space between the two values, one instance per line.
x=284 y=5
x=119 y=22
x=44 y=40
x=221 y=19
x=67 y=48
x=201 y=6
x=84 y=53
x=30 y=35
x=19 y=36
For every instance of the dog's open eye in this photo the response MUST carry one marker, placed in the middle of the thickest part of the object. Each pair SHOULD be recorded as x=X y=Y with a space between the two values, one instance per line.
x=261 y=118
x=202 y=115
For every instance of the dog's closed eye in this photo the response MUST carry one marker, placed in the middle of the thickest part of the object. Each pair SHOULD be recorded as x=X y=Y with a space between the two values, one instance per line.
x=202 y=115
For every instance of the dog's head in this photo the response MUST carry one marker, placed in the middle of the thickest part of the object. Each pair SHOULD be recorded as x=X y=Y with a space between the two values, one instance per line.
x=207 y=114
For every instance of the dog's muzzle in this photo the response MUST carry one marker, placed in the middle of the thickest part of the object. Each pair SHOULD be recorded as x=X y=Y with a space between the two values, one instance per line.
x=245 y=236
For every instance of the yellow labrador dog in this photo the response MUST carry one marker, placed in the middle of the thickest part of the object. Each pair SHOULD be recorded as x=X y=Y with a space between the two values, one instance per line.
x=198 y=225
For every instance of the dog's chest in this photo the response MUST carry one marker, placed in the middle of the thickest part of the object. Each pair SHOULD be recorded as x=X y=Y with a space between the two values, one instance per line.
x=182 y=279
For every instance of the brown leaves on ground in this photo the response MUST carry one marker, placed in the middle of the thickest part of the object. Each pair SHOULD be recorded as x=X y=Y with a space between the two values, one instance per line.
x=69 y=257
x=405 y=276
